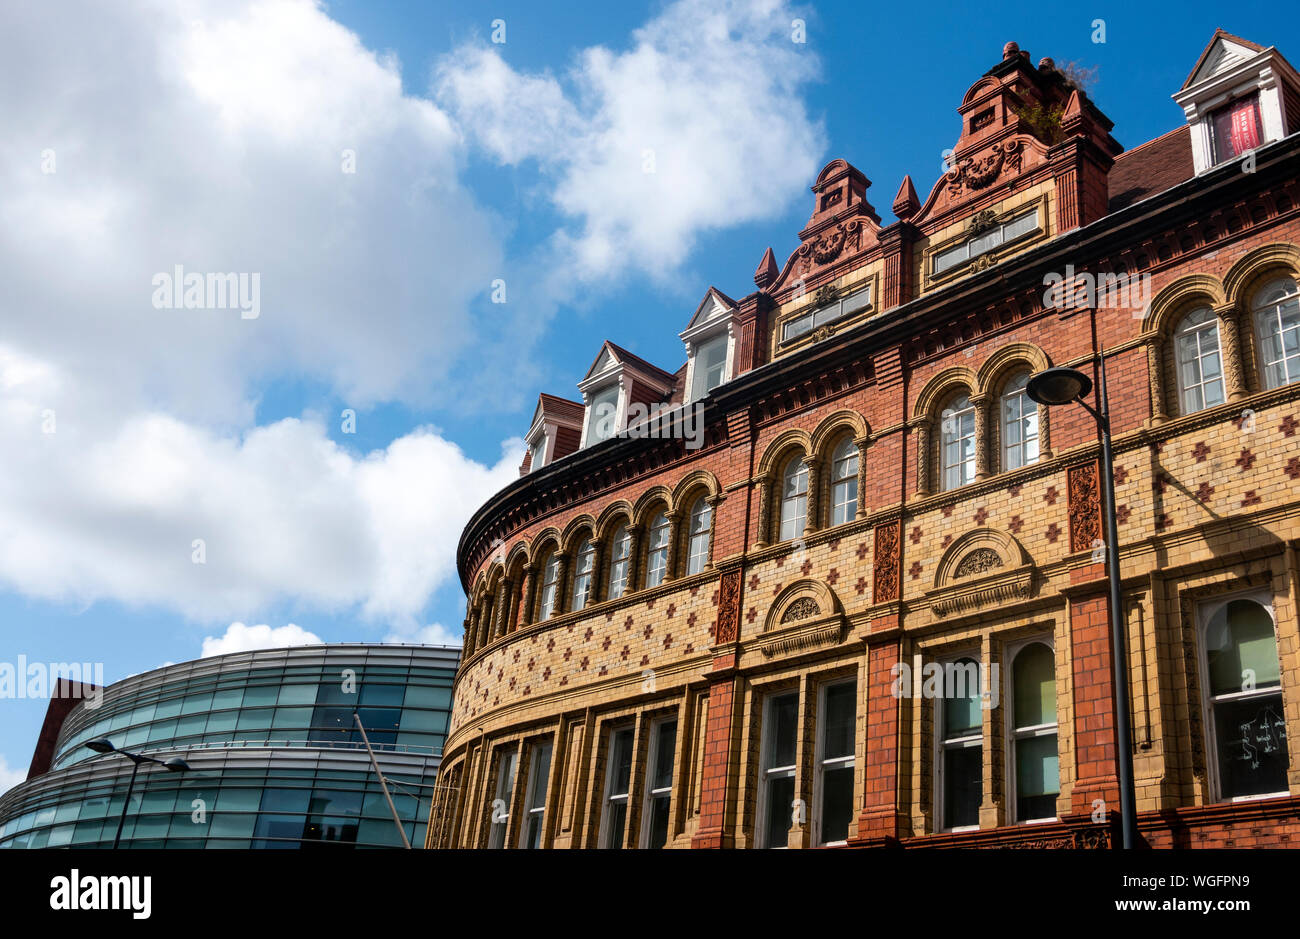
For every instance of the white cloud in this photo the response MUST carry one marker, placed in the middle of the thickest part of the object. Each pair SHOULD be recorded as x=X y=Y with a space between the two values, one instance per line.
x=211 y=134
x=434 y=634
x=112 y=510
x=241 y=638
x=9 y=776
x=709 y=91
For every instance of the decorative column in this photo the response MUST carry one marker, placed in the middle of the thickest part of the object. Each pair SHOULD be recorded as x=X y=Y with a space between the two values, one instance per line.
x=501 y=612
x=1156 y=379
x=921 y=430
x=561 y=585
x=715 y=502
x=719 y=784
x=1044 y=432
x=1231 y=351
x=468 y=643
x=764 y=510
x=862 y=443
x=812 y=523
x=981 y=404
x=674 y=536
x=635 y=539
x=526 y=596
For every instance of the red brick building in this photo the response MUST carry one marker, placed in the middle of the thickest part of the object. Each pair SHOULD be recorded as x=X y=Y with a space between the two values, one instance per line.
x=838 y=580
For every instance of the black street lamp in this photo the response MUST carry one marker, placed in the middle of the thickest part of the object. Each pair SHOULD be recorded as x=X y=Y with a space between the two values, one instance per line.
x=1056 y=386
x=104 y=745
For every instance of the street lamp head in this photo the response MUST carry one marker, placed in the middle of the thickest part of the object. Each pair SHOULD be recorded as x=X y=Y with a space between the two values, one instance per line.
x=177 y=765
x=1054 y=386
x=102 y=745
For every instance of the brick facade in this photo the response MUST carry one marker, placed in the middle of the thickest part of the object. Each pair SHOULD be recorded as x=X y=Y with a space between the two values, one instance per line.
x=1207 y=504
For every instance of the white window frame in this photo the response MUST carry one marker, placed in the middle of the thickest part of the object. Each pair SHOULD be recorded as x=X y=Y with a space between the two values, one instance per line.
x=697 y=543
x=591 y=400
x=499 y=831
x=1271 y=311
x=652 y=768
x=942 y=744
x=821 y=763
x=656 y=552
x=584 y=578
x=968 y=463
x=699 y=373
x=1012 y=734
x=1205 y=610
x=1195 y=334
x=1026 y=413
x=610 y=796
x=550 y=582
x=799 y=326
x=798 y=502
x=532 y=811
x=844 y=481
x=620 y=556
x=767 y=744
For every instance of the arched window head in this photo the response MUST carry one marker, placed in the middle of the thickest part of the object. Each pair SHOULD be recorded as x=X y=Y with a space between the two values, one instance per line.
x=701 y=525
x=583 y=574
x=794 y=499
x=1019 y=425
x=656 y=565
x=620 y=561
x=1248 y=730
x=957 y=443
x=550 y=583
x=1199 y=363
x=1034 y=731
x=844 y=482
x=1277 y=322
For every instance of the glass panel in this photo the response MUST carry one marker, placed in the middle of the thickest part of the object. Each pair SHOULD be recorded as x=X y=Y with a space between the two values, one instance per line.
x=1034 y=678
x=780 y=810
x=962 y=714
x=839 y=720
x=837 y=803
x=665 y=744
x=1037 y=777
x=1241 y=649
x=603 y=416
x=657 y=836
x=1251 y=741
x=296 y=694
x=963 y=786
x=783 y=715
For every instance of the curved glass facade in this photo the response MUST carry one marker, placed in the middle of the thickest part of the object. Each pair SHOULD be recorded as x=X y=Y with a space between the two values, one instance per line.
x=275 y=758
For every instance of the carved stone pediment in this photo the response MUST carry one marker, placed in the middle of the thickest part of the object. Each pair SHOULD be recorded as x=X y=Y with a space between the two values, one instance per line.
x=981 y=568
x=805 y=615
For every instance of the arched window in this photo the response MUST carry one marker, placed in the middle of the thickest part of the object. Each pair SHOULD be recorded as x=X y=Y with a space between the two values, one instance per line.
x=550 y=583
x=1247 y=729
x=1019 y=425
x=844 y=482
x=656 y=564
x=1033 y=733
x=697 y=554
x=961 y=745
x=583 y=574
x=957 y=444
x=1277 y=320
x=794 y=499
x=1200 y=366
x=620 y=561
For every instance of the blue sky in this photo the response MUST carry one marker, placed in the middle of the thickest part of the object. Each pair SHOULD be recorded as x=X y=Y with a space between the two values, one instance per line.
x=215 y=135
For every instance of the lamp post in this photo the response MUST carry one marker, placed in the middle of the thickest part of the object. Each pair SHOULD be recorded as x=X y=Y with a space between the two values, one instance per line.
x=1057 y=386
x=104 y=745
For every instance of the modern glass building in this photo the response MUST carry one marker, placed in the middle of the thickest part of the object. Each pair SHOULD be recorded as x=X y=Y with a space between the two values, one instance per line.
x=275 y=758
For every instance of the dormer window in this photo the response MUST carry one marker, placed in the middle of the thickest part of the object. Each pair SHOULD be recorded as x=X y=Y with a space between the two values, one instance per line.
x=1235 y=128
x=710 y=339
x=602 y=415
x=1238 y=98
x=710 y=366
x=537 y=451
x=555 y=431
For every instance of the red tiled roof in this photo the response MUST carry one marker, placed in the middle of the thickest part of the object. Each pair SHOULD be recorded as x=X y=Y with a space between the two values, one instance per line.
x=561 y=407
x=1155 y=166
x=654 y=371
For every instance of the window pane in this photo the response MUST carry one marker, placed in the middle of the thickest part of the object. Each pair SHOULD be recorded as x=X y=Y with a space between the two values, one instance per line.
x=780 y=809
x=1037 y=777
x=962 y=786
x=1241 y=648
x=838 y=721
x=962 y=713
x=1034 y=676
x=784 y=717
x=1251 y=741
x=837 y=803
